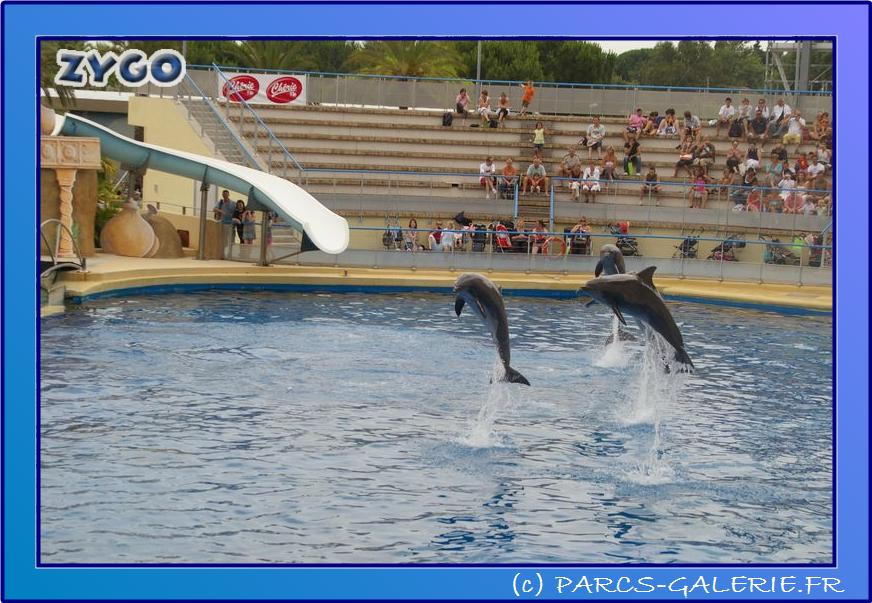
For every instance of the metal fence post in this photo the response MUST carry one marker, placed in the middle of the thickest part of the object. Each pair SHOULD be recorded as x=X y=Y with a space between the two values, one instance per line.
x=204 y=204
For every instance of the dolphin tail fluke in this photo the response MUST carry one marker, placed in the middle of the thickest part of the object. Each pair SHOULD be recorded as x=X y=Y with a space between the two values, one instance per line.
x=458 y=305
x=513 y=376
x=682 y=357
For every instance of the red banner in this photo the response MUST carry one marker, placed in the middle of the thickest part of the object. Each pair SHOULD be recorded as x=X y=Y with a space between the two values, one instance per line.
x=266 y=89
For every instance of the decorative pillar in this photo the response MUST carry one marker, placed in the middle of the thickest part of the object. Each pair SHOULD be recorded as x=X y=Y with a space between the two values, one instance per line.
x=66 y=179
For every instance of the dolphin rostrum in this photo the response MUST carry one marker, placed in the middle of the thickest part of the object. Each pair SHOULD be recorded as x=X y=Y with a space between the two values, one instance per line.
x=634 y=294
x=486 y=300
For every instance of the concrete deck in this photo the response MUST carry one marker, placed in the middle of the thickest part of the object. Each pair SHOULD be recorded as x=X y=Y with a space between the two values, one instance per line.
x=108 y=274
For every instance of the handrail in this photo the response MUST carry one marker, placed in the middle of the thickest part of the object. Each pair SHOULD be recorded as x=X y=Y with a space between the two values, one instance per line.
x=266 y=128
x=773 y=91
x=189 y=80
x=54 y=252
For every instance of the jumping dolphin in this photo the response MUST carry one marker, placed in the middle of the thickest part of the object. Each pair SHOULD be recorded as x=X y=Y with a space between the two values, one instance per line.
x=486 y=300
x=612 y=262
x=634 y=294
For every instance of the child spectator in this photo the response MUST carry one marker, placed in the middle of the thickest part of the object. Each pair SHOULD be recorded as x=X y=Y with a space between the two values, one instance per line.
x=590 y=183
x=650 y=188
x=248 y=227
x=527 y=97
x=635 y=123
x=596 y=132
x=632 y=156
x=503 y=109
x=698 y=193
x=539 y=138
x=488 y=177
x=509 y=179
x=462 y=102
x=536 y=178
x=725 y=115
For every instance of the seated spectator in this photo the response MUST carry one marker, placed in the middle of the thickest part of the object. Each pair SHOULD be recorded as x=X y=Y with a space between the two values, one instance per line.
x=795 y=124
x=536 y=178
x=632 y=156
x=793 y=202
x=484 y=108
x=757 y=128
x=800 y=167
x=570 y=167
x=488 y=178
x=520 y=239
x=705 y=154
x=435 y=238
x=502 y=241
x=734 y=157
x=451 y=239
x=594 y=139
x=635 y=124
x=590 y=183
x=651 y=124
x=462 y=102
x=410 y=237
x=808 y=206
x=754 y=203
x=503 y=109
x=509 y=179
x=610 y=162
x=815 y=166
x=538 y=138
x=752 y=159
x=745 y=112
x=821 y=131
x=686 y=155
x=774 y=170
x=824 y=155
x=574 y=189
x=527 y=97
x=668 y=127
x=725 y=115
x=763 y=108
x=780 y=150
x=579 y=237
x=538 y=237
x=778 y=119
x=651 y=187
x=698 y=193
x=773 y=202
x=786 y=185
x=691 y=125
x=740 y=194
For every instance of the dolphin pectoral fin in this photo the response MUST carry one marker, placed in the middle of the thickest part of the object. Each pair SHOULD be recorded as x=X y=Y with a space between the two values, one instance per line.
x=458 y=305
x=646 y=275
x=513 y=376
x=620 y=316
x=589 y=303
x=599 y=268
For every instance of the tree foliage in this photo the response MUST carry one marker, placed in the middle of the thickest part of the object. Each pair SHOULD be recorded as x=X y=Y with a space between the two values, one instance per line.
x=412 y=58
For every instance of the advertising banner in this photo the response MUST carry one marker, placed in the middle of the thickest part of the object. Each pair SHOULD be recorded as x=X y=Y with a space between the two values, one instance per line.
x=263 y=88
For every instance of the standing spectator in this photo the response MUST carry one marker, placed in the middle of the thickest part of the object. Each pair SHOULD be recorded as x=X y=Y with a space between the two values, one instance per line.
x=590 y=183
x=462 y=102
x=763 y=108
x=734 y=157
x=778 y=118
x=488 y=177
x=635 y=123
x=752 y=159
x=224 y=211
x=795 y=124
x=238 y=211
x=249 y=227
x=435 y=237
x=596 y=132
x=698 y=193
x=484 y=108
x=610 y=162
x=570 y=167
x=725 y=115
x=632 y=156
x=651 y=187
x=527 y=96
x=536 y=178
x=686 y=155
x=410 y=236
x=757 y=128
x=509 y=179
x=668 y=126
x=538 y=138
x=503 y=109
x=705 y=154
x=692 y=125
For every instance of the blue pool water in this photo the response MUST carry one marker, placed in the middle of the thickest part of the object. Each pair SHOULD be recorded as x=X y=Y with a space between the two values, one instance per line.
x=248 y=427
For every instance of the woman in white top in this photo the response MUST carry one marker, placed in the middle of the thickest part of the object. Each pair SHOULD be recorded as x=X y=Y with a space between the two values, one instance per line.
x=590 y=184
x=488 y=177
x=484 y=107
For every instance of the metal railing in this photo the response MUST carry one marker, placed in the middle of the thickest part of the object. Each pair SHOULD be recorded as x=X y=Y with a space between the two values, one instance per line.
x=558 y=98
x=260 y=130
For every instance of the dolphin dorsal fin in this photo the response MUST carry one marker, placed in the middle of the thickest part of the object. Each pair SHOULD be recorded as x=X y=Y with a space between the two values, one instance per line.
x=646 y=275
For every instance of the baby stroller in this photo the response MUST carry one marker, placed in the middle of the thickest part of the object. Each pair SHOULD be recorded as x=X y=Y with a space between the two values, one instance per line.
x=479 y=237
x=627 y=244
x=687 y=248
x=815 y=253
x=778 y=253
x=392 y=238
x=578 y=243
x=726 y=251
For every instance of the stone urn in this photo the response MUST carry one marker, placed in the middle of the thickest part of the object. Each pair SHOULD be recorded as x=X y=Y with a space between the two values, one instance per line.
x=128 y=234
x=46 y=120
x=170 y=243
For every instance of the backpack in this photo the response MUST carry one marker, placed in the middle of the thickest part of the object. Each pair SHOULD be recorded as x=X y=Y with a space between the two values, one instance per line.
x=447 y=118
x=494 y=122
x=735 y=129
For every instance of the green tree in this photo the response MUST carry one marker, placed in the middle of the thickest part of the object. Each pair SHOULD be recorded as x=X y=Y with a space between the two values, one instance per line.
x=628 y=64
x=574 y=61
x=411 y=58
x=64 y=96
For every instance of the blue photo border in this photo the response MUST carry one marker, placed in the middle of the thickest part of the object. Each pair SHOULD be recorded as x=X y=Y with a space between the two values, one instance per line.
x=23 y=23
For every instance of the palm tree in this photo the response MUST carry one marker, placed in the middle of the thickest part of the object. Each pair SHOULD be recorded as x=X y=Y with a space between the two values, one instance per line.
x=272 y=54
x=411 y=58
x=48 y=68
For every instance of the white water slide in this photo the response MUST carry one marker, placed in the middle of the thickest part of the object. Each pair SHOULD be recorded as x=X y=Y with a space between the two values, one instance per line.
x=328 y=231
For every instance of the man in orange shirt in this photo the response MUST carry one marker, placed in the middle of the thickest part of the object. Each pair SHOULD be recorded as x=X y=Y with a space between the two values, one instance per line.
x=527 y=98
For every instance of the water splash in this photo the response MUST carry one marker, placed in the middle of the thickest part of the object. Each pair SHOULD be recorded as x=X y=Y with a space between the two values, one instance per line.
x=617 y=353
x=499 y=398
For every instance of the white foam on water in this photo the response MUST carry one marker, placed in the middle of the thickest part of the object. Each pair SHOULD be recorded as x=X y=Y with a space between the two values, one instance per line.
x=481 y=433
x=617 y=353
